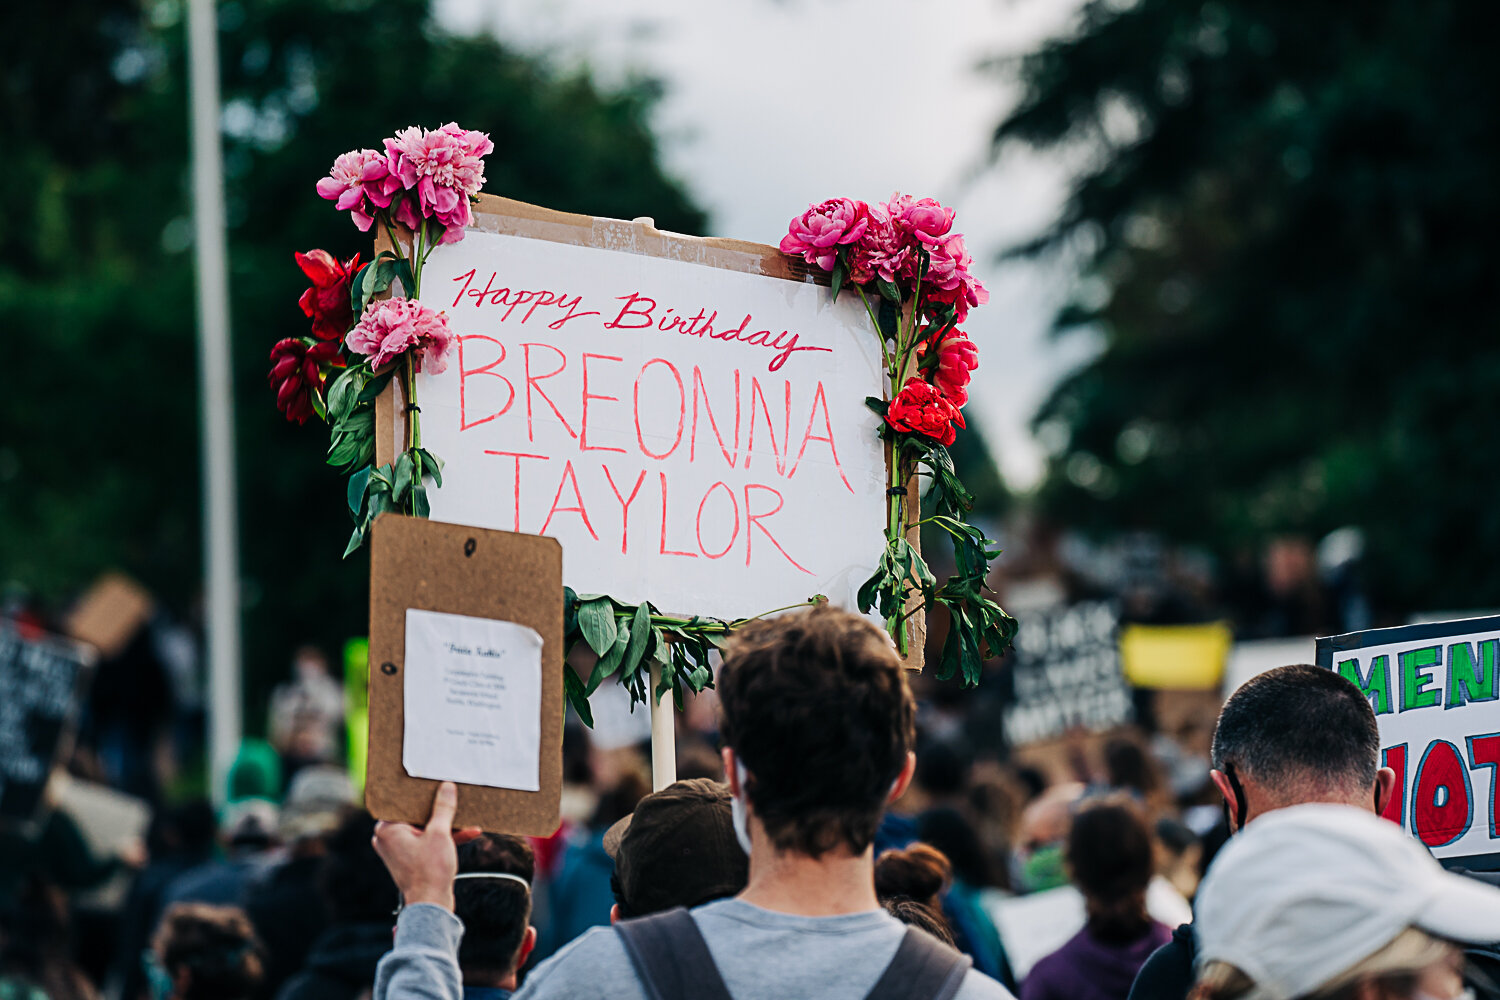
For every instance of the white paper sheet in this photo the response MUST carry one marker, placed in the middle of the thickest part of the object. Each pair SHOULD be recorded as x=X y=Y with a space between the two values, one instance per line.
x=473 y=692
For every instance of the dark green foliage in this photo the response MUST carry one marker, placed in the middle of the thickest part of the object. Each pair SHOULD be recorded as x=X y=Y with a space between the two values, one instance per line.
x=1291 y=231
x=98 y=423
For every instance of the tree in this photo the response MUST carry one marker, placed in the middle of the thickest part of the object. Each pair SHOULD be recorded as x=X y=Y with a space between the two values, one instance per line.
x=1288 y=227
x=98 y=459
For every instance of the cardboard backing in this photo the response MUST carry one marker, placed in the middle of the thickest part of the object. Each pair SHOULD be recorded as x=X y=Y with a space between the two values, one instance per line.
x=494 y=214
x=431 y=566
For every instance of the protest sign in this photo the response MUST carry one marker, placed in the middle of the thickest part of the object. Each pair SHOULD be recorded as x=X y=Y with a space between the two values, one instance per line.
x=454 y=693
x=41 y=679
x=1065 y=674
x=1175 y=657
x=685 y=415
x=1433 y=688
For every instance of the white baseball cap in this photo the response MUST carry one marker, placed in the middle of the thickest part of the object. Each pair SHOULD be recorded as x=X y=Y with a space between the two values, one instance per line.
x=1308 y=892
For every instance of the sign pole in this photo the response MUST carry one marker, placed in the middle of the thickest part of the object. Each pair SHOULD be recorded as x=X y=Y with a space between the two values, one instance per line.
x=216 y=399
x=663 y=734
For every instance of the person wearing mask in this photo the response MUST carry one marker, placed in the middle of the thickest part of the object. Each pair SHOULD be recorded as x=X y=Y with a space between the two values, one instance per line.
x=204 y=952
x=1328 y=902
x=1292 y=735
x=677 y=848
x=818 y=723
x=492 y=896
x=1109 y=856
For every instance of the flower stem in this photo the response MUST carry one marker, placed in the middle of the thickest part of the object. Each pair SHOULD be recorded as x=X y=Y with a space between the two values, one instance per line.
x=885 y=355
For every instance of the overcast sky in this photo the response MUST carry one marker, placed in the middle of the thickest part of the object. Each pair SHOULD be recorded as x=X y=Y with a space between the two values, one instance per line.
x=772 y=104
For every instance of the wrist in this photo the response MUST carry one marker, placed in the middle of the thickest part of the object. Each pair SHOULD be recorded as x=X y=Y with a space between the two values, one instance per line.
x=436 y=895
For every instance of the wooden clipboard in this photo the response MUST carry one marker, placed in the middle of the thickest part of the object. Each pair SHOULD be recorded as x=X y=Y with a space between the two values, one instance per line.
x=452 y=568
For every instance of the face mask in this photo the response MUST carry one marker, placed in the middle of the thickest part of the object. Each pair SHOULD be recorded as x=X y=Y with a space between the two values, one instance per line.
x=157 y=979
x=737 y=810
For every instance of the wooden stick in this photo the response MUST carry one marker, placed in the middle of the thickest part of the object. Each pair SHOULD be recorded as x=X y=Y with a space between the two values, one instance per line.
x=663 y=734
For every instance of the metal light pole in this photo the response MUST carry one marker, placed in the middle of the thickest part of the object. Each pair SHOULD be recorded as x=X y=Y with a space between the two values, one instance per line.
x=215 y=398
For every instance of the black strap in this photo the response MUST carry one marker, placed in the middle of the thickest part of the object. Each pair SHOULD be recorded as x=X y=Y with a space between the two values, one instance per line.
x=924 y=969
x=671 y=958
x=672 y=961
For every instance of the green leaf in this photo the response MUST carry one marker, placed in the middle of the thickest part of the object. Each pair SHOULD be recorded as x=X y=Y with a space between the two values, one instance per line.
x=597 y=620
x=432 y=466
x=640 y=637
x=404 y=275
x=356 y=489
x=356 y=292
x=888 y=291
x=355 y=541
x=375 y=386
x=344 y=451
x=403 y=476
x=609 y=662
x=419 y=504
x=577 y=696
x=839 y=272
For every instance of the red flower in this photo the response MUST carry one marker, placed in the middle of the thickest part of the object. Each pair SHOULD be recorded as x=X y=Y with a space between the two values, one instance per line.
x=956 y=356
x=920 y=409
x=297 y=373
x=326 y=303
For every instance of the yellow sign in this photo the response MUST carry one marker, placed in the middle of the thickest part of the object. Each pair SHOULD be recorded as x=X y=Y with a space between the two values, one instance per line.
x=1176 y=657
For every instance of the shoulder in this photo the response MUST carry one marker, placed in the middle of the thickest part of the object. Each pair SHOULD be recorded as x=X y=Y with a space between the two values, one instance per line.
x=1168 y=972
x=582 y=967
x=978 y=986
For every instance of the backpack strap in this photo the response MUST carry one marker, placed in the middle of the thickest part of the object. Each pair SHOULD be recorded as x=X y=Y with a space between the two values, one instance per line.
x=924 y=969
x=670 y=957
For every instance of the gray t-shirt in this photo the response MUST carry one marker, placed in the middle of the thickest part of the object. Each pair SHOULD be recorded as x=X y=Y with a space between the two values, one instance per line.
x=762 y=955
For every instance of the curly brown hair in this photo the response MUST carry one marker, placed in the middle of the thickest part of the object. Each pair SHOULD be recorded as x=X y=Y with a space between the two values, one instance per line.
x=817 y=708
x=216 y=945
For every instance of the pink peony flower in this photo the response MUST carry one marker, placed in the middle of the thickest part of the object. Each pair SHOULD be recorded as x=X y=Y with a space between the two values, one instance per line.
x=922 y=219
x=818 y=233
x=359 y=183
x=882 y=252
x=391 y=327
x=949 y=281
x=445 y=169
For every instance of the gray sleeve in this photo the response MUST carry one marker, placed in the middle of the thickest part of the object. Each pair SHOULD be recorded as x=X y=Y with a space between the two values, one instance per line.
x=594 y=965
x=423 y=964
x=978 y=986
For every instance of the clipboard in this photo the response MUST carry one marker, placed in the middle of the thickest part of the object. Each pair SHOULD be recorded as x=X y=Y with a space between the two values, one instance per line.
x=452 y=568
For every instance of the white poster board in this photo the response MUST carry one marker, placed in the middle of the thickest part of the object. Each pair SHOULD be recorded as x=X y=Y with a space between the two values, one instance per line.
x=693 y=435
x=1433 y=688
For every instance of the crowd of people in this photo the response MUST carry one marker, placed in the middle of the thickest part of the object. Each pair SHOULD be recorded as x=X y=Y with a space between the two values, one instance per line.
x=832 y=835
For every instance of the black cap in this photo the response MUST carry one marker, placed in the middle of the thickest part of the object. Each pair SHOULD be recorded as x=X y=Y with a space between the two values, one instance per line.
x=678 y=848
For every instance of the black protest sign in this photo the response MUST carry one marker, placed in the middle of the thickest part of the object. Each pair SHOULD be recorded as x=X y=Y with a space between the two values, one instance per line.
x=40 y=682
x=1065 y=674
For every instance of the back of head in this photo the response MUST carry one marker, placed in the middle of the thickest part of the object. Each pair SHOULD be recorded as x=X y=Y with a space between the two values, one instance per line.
x=677 y=849
x=816 y=707
x=1109 y=854
x=1303 y=733
x=216 y=948
x=353 y=879
x=495 y=911
x=917 y=872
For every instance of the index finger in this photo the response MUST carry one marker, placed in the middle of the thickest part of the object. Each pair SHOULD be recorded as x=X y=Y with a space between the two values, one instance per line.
x=444 y=807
